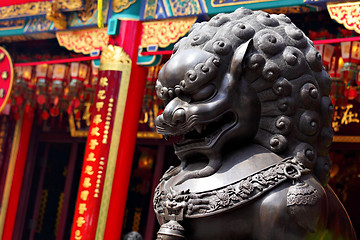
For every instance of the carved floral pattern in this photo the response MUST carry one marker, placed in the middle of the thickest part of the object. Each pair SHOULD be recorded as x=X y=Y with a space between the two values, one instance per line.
x=39 y=24
x=22 y=10
x=347 y=14
x=236 y=194
x=37 y=8
x=185 y=7
x=90 y=9
x=12 y=24
x=113 y=53
x=83 y=41
x=120 y=5
x=165 y=32
x=150 y=9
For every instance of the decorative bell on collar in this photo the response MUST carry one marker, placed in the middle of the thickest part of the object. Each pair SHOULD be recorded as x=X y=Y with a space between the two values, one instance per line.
x=171 y=230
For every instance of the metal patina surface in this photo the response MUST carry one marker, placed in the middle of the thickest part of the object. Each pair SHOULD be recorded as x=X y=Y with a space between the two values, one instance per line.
x=249 y=96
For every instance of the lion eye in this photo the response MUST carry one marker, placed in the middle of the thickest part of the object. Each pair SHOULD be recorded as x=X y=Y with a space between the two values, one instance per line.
x=204 y=93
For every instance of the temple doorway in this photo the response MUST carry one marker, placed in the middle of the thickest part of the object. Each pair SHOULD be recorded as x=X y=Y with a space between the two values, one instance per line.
x=50 y=186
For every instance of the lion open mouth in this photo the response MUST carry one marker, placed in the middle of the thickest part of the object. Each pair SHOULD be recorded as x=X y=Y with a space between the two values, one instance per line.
x=206 y=134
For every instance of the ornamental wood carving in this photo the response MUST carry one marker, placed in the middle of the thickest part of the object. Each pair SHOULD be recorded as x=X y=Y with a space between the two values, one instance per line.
x=347 y=14
x=165 y=32
x=83 y=41
x=37 y=8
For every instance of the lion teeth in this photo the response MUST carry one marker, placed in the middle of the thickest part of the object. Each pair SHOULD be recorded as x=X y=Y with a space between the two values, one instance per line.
x=199 y=129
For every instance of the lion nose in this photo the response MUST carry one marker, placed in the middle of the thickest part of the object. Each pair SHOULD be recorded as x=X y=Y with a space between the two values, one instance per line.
x=179 y=116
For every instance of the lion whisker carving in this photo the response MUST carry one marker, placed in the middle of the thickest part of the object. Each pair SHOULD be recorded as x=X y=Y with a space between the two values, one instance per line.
x=248 y=98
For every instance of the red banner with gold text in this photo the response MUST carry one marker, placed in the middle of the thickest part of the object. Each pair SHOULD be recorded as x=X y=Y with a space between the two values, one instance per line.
x=96 y=156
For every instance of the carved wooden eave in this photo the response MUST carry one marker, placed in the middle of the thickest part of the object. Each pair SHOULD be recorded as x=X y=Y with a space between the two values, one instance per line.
x=164 y=32
x=83 y=41
x=120 y=5
x=32 y=9
x=347 y=14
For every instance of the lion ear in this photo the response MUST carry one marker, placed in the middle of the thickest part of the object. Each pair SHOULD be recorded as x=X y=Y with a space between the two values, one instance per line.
x=238 y=57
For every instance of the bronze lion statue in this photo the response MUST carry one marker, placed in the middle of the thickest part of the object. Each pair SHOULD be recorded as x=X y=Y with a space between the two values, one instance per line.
x=249 y=96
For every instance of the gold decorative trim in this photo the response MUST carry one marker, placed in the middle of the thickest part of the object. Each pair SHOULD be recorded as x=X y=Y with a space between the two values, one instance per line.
x=235 y=2
x=347 y=139
x=16 y=38
x=165 y=32
x=114 y=58
x=347 y=14
x=152 y=135
x=36 y=8
x=73 y=131
x=53 y=14
x=70 y=5
x=123 y=63
x=23 y=10
x=288 y=10
x=120 y=5
x=150 y=9
x=185 y=7
x=12 y=24
x=10 y=172
x=83 y=41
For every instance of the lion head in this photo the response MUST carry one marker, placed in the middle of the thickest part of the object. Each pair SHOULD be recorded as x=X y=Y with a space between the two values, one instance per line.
x=243 y=78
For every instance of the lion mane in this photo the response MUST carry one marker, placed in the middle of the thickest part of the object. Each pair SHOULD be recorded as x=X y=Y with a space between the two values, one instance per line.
x=286 y=71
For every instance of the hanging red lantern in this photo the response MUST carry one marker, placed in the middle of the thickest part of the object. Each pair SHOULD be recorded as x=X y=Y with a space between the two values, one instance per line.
x=29 y=78
x=327 y=52
x=58 y=78
x=351 y=57
x=90 y=85
x=20 y=87
x=41 y=84
x=350 y=93
x=349 y=71
x=57 y=86
x=78 y=72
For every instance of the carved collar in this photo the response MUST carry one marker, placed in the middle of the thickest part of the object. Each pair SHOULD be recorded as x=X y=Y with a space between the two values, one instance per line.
x=175 y=205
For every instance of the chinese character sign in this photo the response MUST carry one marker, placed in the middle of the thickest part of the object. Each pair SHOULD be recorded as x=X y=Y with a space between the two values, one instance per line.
x=96 y=156
x=346 y=119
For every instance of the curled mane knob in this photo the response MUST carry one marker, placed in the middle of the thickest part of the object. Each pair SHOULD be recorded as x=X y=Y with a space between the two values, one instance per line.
x=283 y=124
x=267 y=20
x=222 y=47
x=219 y=20
x=305 y=153
x=270 y=43
x=282 y=87
x=278 y=143
x=243 y=31
x=314 y=59
x=271 y=71
x=309 y=95
x=200 y=39
x=309 y=123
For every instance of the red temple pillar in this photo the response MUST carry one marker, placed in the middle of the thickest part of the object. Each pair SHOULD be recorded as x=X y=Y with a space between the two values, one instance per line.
x=14 y=175
x=111 y=140
x=122 y=173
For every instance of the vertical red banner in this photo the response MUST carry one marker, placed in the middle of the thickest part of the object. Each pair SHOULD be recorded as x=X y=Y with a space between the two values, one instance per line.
x=99 y=147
